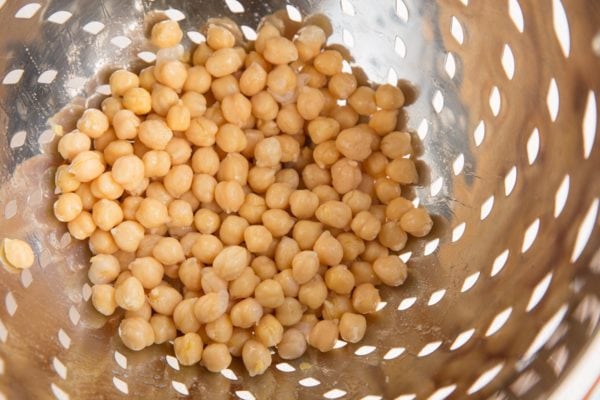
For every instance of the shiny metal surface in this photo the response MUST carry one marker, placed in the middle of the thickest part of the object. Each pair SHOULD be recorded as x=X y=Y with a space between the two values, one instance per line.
x=502 y=296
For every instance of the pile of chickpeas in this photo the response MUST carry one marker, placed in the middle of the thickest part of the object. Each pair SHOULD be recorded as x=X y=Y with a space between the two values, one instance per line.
x=244 y=197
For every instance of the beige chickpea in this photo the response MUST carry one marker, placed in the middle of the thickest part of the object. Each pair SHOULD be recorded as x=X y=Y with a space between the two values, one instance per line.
x=234 y=167
x=180 y=213
x=383 y=121
x=417 y=222
x=179 y=180
x=322 y=129
x=314 y=78
x=389 y=97
x=392 y=236
x=363 y=100
x=128 y=171
x=152 y=213
x=365 y=298
x=335 y=306
x=260 y=178
x=88 y=199
x=157 y=163
x=290 y=312
x=367 y=186
x=205 y=161
x=230 y=262
x=324 y=335
x=310 y=103
x=146 y=246
x=292 y=344
x=278 y=195
x=246 y=313
x=107 y=137
x=104 y=268
x=328 y=62
x=309 y=41
x=282 y=81
x=162 y=99
x=65 y=181
x=396 y=145
x=67 y=207
x=144 y=312
x=105 y=187
x=256 y=357
x=211 y=282
x=93 y=123
x=269 y=293
x=206 y=221
x=147 y=79
x=155 y=134
x=278 y=222
x=387 y=190
x=103 y=299
x=253 y=80
x=187 y=242
x=340 y=279
x=129 y=295
x=257 y=238
x=107 y=214
x=329 y=250
x=148 y=271
x=289 y=119
x=184 y=318
x=363 y=273
x=303 y=203
x=110 y=106
x=202 y=132
x=342 y=85
x=188 y=348
x=255 y=57
x=82 y=226
x=203 y=187
x=313 y=293
x=211 y=306
x=306 y=233
x=403 y=171
x=352 y=245
x=195 y=103
x=236 y=108
x=137 y=100
x=313 y=176
x=290 y=148
x=164 y=299
x=198 y=80
x=305 y=266
x=267 y=152
x=168 y=251
x=157 y=191
x=352 y=327
x=345 y=175
x=326 y=154
x=345 y=116
x=264 y=106
x=128 y=235
x=253 y=136
x=239 y=337
x=171 y=73
x=206 y=248
x=288 y=176
x=269 y=330
x=230 y=138
x=165 y=34
x=178 y=117
x=87 y=166
x=229 y=195
x=373 y=251
x=266 y=31
x=397 y=208
x=136 y=333
x=335 y=214
x=164 y=328
x=244 y=285
x=102 y=242
x=279 y=50
x=357 y=201
x=232 y=229
x=264 y=267
x=219 y=37
x=216 y=357
x=73 y=143
x=220 y=330
x=391 y=270
x=287 y=282
x=375 y=164
x=117 y=149
x=190 y=274
x=365 y=225
x=122 y=80
x=201 y=54
x=354 y=143
x=224 y=86
x=223 y=62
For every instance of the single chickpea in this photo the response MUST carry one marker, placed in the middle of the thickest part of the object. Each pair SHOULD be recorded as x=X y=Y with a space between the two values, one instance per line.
x=391 y=270
x=373 y=251
x=219 y=37
x=168 y=251
x=335 y=306
x=324 y=335
x=236 y=108
x=269 y=330
x=103 y=299
x=230 y=138
x=107 y=214
x=256 y=357
x=257 y=238
x=289 y=120
x=389 y=97
x=205 y=161
x=128 y=171
x=234 y=167
x=363 y=273
x=157 y=163
x=195 y=103
x=223 y=62
x=216 y=357
x=180 y=213
x=289 y=285
x=288 y=176
x=269 y=293
x=357 y=201
x=264 y=106
x=386 y=189
x=328 y=62
x=342 y=85
x=306 y=233
x=162 y=99
x=376 y=164
x=188 y=348
x=152 y=213
x=155 y=134
x=365 y=298
x=326 y=193
x=292 y=344
x=352 y=327
x=137 y=100
x=335 y=214
x=73 y=143
x=290 y=312
x=309 y=41
x=148 y=271
x=417 y=222
x=102 y=242
x=313 y=293
x=354 y=143
x=363 y=100
x=279 y=50
x=253 y=136
x=264 y=267
x=190 y=274
x=345 y=175
x=246 y=313
x=253 y=79
x=310 y=103
x=128 y=235
x=105 y=187
x=157 y=191
x=403 y=171
x=104 y=268
x=198 y=81
x=122 y=80
x=353 y=245
x=65 y=181
x=130 y=295
x=136 y=333
x=396 y=145
x=164 y=299
x=164 y=328
x=339 y=279
x=303 y=203
x=166 y=34
x=206 y=248
x=110 y=106
x=383 y=121
x=282 y=81
x=206 y=221
x=211 y=306
x=365 y=225
x=290 y=148
x=116 y=150
x=171 y=73
x=313 y=176
x=315 y=79
x=305 y=266
x=178 y=117
x=229 y=195
x=147 y=79
x=184 y=318
x=326 y=154
x=345 y=116
x=201 y=54
x=278 y=222
x=202 y=132
x=244 y=285
x=203 y=187
x=392 y=236
x=397 y=208
x=67 y=207
x=87 y=166
x=230 y=262
x=211 y=282
x=267 y=152
x=225 y=86
x=254 y=57
x=82 y=226
x=220 y=330
x=179 y=180
x=278 y=195
x=93 y=123
x=239 y=337
x=329 y=250
x=232 y=229
x=88 y=200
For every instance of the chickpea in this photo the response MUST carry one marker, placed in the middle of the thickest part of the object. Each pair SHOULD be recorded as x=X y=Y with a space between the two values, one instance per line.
x=277 y=196
x=309 y=41
x=314 y=78
x=73 y=143
x=206 y=221
x=289 y=120
x=292 y=344
x=403 y=171
x=328 y=62
x=104 y=268
x=246 y=313
x=188 y=348
x=391 y=270
x=82 y=226
x=279 y=50
x=197 y=83
x=387 y=190
x=117 y=149
x=396 y=145
x=168 y=251
x=164 y=328
x=335 y=306
x=365 y=225
x=195 y=103
x=109 y=106
x=236 y=108
x=373 y=251
x=230 y=138
x=225 y=86
x=223 y=62
x=278 y=222
x=103 y=299
x=87 y=166
x=363 y=100
x=155 y=134
x=357 y=201
x=152 y=213
x=211 y=282
x=392 y=236
x=303 y=203
x=326 y=154
x=179 y=180
x=171 y=73
x=363 y=273
x=290 y=148
x=216 y=357
x=342 y=85
x=234 y=167
x=352 y=327
x=328 y=249
x=229 y=195
x=324 y=335
x=157 y=163
x=354 y=143
x=211 y=306
x=290 y=312
x=266 y=32
x=257 y=238
x=105 y=187
x=313 y=176
x=287 y=282
x=310 y=103
x=288 y=176
x=206 y=248
x=67 y=207
x=365 y=298
x=334 y=213
x=313 y=293
x=267 y=152
x=340 y=279
x=383 y=121
x=107 y=214
x=102 y=242
x=178 y=117
x=184 y=317
x=147 y=79
x=264 y=106
x=260 y=178
x=164 y=299
x=256 y=357
x=345 y=175
x=264 y=267
x=306 y=233
x=230 y=262
x=397 y=208
x=129 y=295
x=253 y=79
x=305 y=266
x=253 y=136
x=345 y=116
x=417 y=222
x=93 y=123
x=203 y=187
x=65 y=181
x=205 y=161
x=157 y=191
x=269 y=293
x=244 y=285
x=220 y=330
x=201 y=54
x=376 y=164
x=136 y=333
x=162 y=99
x=322 y=129
x=269 y=330
x=219 y=37
x=122 y=80
x=353 y=245
x=389 y=97
x=282 y=81
x=190 y=274
x=148 y=271
x=166 y=34
x=137 y=100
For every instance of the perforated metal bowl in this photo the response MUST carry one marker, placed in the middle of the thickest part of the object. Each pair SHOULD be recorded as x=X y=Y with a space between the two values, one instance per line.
x=502 y=298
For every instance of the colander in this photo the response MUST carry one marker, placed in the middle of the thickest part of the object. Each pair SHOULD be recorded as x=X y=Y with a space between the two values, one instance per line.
x=502 y=299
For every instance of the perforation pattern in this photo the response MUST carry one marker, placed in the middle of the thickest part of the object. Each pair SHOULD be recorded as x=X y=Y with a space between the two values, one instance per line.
x=509 y=142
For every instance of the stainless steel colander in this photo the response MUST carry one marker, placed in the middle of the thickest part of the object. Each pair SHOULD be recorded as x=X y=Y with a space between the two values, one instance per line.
x=502 y=298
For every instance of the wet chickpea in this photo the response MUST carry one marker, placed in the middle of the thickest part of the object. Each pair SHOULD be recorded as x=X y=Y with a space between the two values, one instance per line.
x=383 y=121
x=152 y=213
x=220 y=330
x=225 y=86
x=326 y=154
x=363 y=100
x=253 y=136
x=102 y=242
x=88 y=200
x=166 y=34
x=354 y=143
x=184 y=317
x=110 y=106
x=136 y=333
x=164 y=299
x=246 y=313
x=229 y=195
x=279 y=50
x=305 y=266
x=230 y=262
x=267 y=152
x=157 y=191
x=206 y=248
x=122 y=80
x=264 y=267
x=323 y=129
x=288 y=176
x=216 y=357
x=310 y=103
x=313 y=293
x=264 y=106
x=195 y=103
x=376 y=164
x=104 y=269
x=278 y=222
x=416 y=222
x=365 y=225
x=162 y=99
x=178 y=117
x=357 y=201
x=144 y=312
x=73 y=143
x=309 y=41
x=244 y=285
x=188 y=348
x=313 y=176
x=157 y=163
x=269 y=293
x=129 y=295
x=256 y=357
x=282 y=81
x=253 y=80
x=292 y=344
x=326 y=193
x=148 y=271
x=128 y=235
x=103 y=299
x=67 y=207
x=146 y=77
x=352 y=327
x=278 y=196
x=306 y=233
x=223 y=62
x=137 y=100
x=105 y=187
x=352 y=245
x=290 y=312
x=234 y=167
x=403 y=171
x=211 y=306
x=290 y=148
x=288 y=283
x=93 y=123
x=324 y=335
x=190 y=274
x=365 y=298
x=168 y=251
x=392 y=236
x=345 y=116
x=289 y=120
x=387 y=190
x=269 y=330
x=329 y=250
x=363 y=273
x=396 y=145
x=206 y=221
x=340 y=279
x=397 y=208
x=201 y=54
x=205 y=161
x=179 y=180
x=236 y=109
x=65 y=181
x=391 y=270
x=202 y=132
x=314 y=78
x=345 y=175
x=171 y=73
x=303 y=203
x=232 y=229
x=389 y=97
x=163 y=327
x=117 y=149
x=230 y=138
x=335 y=306
x=261 y=178
x=87 y=166
x=342 y=85
x=107 y=214
x=219 y=37
x=328 y=62
x=334 y=213
x=257 y=238
x=155 y=134
x=203 y=187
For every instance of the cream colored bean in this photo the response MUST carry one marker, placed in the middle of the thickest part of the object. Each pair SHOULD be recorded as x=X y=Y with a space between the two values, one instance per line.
x=194 y=102
x=403 y=171
x=234 y=167
x=365 y=225
x=253 y=79
x=292 y=345
x=82 y=226
x=313 y=176
x=188 y=348
x=87 y=166
x=260 y=178
x=67 y=207
x=103 y=299
x=219 y=37
x=152 y=213
x=105 y=187
x=363 y=100
x=365 y=298
x=392 y=236
x=129 y=295
x=166 y=34
x=164 y=299
x=206 y=248
x=216 y=357
x=282 y=81
x=269 y=293
x=264 y=106
x=389 y=97
x=279 y=50
x=313 y=293
x=148 y=271
x=236 y=108
x=257 y=238
x=206 y=221
x=335 y=306
x=303 y=203
x=391 y=270
x=373 y=251
x=65 y=181
x=136 y=333
x=352 y=327
x=93 y=123
x=340 y=279
x=109 y=106
x=305 y=266
x=205 y=161
x=179 y=180
x=278 y=222
x=220 y=330
x=246 y=313
x=104 y=268
x=211 y=306
x=269 y=331
x=334 y=213
x=328 y=62
x=345 y=175
x=328 y=249
x=324 y=335
x=171 y=73
x=155 y=134
x=223 y=62
x=345 y=116
x=289 y=120
x=387 y=190
x=417 y=222
x=353 y=245
x=73 y=143
x=230 y=262
x=102 y=242
x=306 y=233
x=244 y=285
x=164 y=328
x=184 y=318
x=231 y=139
x=107 y=214
x=354 y=143
x=256 y=357
x=229 y=195
x=363 y=273
x=168 y=251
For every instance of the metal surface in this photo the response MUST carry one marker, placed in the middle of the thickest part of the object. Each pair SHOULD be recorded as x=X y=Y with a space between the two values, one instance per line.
x=502 y=296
